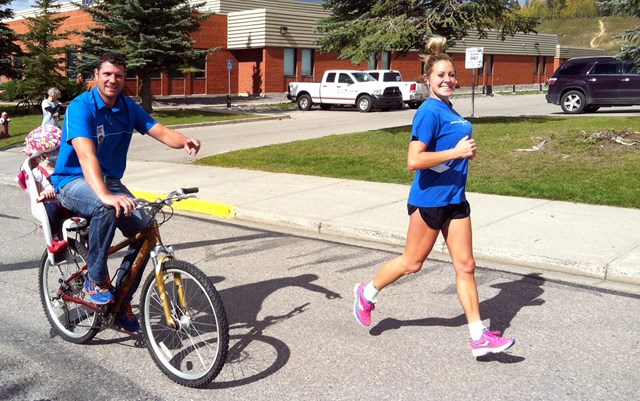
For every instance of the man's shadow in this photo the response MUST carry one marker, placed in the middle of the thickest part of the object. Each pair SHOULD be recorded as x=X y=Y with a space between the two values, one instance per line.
x=253 y=355
x=501 y=309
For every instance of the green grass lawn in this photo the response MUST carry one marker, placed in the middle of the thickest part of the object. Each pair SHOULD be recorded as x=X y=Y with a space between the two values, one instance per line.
x=577 y=162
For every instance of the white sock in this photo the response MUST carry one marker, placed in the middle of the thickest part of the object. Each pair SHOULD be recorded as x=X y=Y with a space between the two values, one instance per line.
x=370 y=292
x=476 y=329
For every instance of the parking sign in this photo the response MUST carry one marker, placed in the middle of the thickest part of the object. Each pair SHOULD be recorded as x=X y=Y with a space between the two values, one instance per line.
x=473 y=57
x=229 y=64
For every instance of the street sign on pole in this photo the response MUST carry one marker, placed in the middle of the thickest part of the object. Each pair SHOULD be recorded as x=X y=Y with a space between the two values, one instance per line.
x=473 y=57
x=229 y=68
x=473 y=60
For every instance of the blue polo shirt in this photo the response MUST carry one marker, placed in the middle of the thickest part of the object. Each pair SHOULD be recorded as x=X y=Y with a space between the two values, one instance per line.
x=439 y=127
x=111 y=129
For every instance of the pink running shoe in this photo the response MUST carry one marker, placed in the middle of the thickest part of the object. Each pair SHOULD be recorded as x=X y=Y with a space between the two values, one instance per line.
x=362 y=308
x=490 y=343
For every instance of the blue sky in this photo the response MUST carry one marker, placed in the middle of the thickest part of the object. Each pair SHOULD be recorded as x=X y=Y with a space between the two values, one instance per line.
x=20 y=5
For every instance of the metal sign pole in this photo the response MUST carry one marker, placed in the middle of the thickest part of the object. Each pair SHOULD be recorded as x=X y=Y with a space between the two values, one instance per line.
x=473 y=92
x=229 y=68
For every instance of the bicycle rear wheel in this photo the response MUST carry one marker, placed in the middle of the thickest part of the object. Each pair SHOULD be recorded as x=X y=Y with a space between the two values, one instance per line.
x=193 y=353
x=74 y=321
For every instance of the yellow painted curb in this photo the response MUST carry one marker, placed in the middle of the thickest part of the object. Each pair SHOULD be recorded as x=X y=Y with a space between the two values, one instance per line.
x=192 y=205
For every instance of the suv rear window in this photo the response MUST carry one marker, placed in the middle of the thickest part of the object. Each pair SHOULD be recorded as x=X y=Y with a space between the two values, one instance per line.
x=605 y=68
x=572 y=69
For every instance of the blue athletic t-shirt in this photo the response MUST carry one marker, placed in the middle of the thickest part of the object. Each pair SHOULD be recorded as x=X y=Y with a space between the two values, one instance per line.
x=111 y=129
x=440 y=128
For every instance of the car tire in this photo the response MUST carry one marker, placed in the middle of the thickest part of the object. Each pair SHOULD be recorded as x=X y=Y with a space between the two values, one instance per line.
x=364 y=103
x=304 y=102
x=414 y=105
x=573 y=102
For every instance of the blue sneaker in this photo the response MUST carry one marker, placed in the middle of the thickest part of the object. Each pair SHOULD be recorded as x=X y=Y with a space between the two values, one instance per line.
x=128 y=321
x=98 y=294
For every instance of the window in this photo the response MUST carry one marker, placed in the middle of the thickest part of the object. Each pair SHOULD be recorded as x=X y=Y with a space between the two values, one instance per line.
x=331 y=77
x=629 y=67
x=572 y=69
x=289 y=62
x=489 y=64
x=373 y=61
x=175 y=73
x=536 y=61
x=155 y=75
x=72 y=65
x=605 y=68
x=200 y=64
x=344 y=79
x=386 y=60
x=307 y=62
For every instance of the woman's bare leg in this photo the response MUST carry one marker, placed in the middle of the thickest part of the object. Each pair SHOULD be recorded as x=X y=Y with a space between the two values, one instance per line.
x=458 y=238
x=420 y=241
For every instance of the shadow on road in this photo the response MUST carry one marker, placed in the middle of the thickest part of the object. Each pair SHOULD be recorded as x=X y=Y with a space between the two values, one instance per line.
x=252 y=354
x=501 y=310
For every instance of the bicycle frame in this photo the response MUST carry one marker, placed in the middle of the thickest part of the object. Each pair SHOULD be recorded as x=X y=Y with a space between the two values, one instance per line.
x=158 y=253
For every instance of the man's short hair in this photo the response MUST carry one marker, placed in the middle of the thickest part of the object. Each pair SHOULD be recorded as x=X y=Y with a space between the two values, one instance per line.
x=112 y=58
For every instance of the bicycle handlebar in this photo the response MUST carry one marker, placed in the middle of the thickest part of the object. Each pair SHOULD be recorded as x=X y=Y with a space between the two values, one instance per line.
x=187 y=191
x=173 y=196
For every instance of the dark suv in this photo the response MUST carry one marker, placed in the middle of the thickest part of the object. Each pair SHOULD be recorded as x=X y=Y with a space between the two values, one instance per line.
x=585 y=84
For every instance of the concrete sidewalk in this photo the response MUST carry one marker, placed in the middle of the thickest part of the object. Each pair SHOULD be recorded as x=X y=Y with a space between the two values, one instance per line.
x=595 y=241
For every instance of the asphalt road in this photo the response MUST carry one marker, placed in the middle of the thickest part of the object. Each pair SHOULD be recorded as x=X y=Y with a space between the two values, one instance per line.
x=293 y=335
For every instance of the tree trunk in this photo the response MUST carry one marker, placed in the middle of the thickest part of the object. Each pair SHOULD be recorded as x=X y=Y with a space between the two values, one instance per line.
x=145 y=92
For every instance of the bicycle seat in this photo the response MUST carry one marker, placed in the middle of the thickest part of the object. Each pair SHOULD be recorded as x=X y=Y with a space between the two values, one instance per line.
x=38 y=209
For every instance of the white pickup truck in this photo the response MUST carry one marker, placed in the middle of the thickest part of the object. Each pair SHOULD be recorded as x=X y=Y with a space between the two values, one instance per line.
x=346 y=88
x=413 y=92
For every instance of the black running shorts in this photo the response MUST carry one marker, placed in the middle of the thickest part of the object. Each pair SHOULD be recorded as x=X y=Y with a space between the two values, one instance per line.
x=439 y=217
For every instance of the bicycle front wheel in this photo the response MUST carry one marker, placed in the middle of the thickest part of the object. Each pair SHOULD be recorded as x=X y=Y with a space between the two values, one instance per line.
x=193 y=352
x=63 y=299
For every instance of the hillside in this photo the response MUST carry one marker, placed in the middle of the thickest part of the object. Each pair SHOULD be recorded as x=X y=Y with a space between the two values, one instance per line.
x=589 y=32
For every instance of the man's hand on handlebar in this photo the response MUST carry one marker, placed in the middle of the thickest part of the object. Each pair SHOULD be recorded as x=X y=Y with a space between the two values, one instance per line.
x=122 y=203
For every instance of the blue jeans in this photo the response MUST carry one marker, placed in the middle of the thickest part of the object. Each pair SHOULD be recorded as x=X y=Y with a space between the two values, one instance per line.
x=78 y=197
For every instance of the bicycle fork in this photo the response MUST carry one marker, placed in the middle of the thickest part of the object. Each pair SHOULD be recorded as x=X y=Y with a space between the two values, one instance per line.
x=159 y=256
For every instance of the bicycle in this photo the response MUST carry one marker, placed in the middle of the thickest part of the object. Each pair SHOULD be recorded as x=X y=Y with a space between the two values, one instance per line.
x=27 y=106
x=182 y=316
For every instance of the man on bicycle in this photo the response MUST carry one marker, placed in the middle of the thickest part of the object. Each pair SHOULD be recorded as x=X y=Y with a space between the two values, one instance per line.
x=97 y=130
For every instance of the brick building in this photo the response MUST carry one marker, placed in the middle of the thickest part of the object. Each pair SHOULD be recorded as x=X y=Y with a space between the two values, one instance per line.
x=270 y=43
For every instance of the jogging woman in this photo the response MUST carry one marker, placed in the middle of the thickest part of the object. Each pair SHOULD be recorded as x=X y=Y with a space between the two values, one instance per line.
x=440 y=149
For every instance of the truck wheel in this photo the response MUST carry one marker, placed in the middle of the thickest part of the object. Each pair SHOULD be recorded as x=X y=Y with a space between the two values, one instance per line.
x=325 y=106
x=364 y=103
x=304 y=102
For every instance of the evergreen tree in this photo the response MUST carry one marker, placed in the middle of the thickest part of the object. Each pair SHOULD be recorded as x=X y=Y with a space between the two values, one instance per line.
x=631 y=51
x=153 y=35
x=8 y=38
x=359 y=28
x=45 y=62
